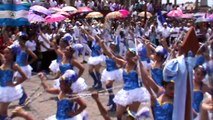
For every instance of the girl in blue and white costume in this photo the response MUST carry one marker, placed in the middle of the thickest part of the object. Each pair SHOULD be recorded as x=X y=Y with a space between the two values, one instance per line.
x=22 y=56
x=63 y=43
x=132 y=94
x=9 y=90
x=67 y=103
x=110 y=74
x=68 y=63
x=22 y=60
x=158 y=59
x=199 y=87
x=142 y=52
x=95 y=60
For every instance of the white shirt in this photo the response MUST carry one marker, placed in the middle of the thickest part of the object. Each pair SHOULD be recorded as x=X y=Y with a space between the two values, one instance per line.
x=53 y=3
x=165 y=32
x=76 y=31
x=176 y=30
x=31 y=45
x=78 y=3
x=91 y=4
x=46 y=43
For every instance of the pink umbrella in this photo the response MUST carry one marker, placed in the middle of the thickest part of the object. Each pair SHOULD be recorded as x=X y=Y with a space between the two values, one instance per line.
x=186 y=16
x=124 y=12
x=175 y=13
x=84 y=10
x=35 y=18
x=55 y=18
x=210 y=17
x=40 y=9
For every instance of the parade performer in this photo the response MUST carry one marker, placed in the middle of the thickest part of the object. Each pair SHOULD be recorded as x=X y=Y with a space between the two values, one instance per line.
x=199 y=87
x=132 y=94
x=68 y=63
x=95 y=61
x=63 y=43
x=158 y=59
x=67 y=103
x=110 y=74
x=162 y=105
x=22 y=61
x=9 y=90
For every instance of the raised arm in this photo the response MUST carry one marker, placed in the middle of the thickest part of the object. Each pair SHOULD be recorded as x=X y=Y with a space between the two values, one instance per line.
x=106 y=50
x=91 y=38
x=46 y=87
x=149 y=82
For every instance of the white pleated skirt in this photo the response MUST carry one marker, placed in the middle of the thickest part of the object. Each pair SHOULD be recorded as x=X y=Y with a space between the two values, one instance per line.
x=10 y=94
x=115 y=75
x=26 y=69
x=77 y=87
x=54 y=66
x=81 y=116
x=96 y=60
x=127 y=97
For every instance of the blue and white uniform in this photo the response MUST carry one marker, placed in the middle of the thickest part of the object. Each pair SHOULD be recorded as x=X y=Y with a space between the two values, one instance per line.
x=8 y=93
x=21 y=60
x=64 y=106
x=96 y=56
x=157 y=75
x=132 y=90
x=78 y=86
x=163 y=111
x=112 y=72
x=142 y=52
x=197 y=99
x=54 y=66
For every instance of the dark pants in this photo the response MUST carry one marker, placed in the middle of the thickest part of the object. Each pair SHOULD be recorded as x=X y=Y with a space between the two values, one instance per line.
x=35 y=64
x=47 y=58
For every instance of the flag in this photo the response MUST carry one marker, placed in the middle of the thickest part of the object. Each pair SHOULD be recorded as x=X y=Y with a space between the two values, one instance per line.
x=160 y=18
x=14 y=14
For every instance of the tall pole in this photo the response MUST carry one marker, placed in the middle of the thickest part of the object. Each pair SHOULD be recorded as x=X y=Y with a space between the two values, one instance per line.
x=196 y=4
x=175 y=2
x=168 y=1
x=145 y=15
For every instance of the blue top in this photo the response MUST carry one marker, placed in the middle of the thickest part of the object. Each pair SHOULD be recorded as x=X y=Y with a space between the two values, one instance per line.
x=143 y=54
x=64 y=67
x=96 y=49
x=59 y=59
x=6 y=76
x=200 y=60
x=110 y=64
x=130 y=80
x=197 y=99
x=157 y=75
x=22 y=58
x=63 y=107
x=163 y=111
